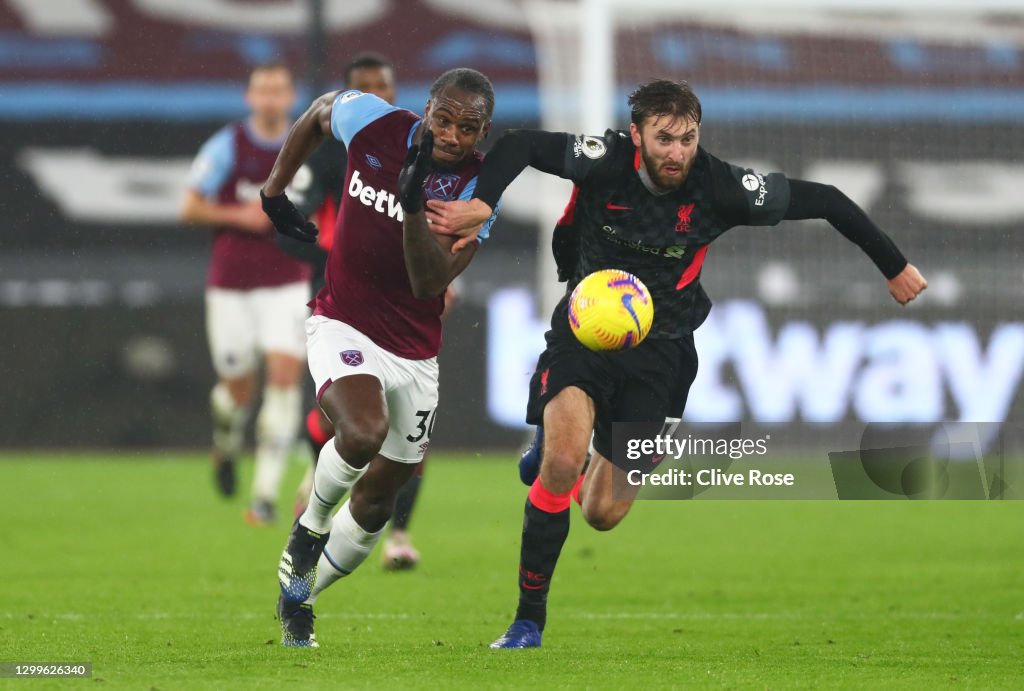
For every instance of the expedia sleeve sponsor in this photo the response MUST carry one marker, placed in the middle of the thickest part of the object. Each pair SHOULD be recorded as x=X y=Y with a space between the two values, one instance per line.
x=767 y=195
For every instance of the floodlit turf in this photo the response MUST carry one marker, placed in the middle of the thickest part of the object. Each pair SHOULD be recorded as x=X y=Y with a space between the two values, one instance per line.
x=134 y=565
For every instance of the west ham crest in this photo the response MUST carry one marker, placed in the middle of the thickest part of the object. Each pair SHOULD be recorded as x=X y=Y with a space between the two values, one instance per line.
x=352 y=358
x=443 y=187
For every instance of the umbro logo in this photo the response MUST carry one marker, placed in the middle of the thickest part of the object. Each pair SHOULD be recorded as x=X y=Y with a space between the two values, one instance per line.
x=374 y=162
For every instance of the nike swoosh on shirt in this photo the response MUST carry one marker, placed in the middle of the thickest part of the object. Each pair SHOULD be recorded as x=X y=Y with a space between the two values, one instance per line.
x=616 y=207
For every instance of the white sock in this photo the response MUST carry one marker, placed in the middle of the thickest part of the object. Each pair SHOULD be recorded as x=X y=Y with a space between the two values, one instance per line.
x=334 y=477
x=346 y=549
x=228 y=421
x=276 y=429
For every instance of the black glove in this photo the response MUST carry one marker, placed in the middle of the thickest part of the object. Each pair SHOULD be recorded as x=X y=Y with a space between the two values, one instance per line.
x=418 y=164
x=287 y=219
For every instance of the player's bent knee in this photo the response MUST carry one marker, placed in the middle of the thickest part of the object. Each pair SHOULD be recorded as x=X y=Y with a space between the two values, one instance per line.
x=284 y=380
x=561 y=470
x=241 y=389
x=358 y=444
x=284 y=371
x=602 y=518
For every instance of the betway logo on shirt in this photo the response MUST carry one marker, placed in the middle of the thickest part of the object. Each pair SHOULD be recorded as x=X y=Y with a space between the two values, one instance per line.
x=382 y=201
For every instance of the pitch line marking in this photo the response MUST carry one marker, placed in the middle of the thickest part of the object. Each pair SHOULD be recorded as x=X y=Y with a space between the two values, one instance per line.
x=597 y=616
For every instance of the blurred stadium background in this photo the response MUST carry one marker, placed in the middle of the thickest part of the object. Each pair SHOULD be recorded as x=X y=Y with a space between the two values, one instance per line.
x=915 y=109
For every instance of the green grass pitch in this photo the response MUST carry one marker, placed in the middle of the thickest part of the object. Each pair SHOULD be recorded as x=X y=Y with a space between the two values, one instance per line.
x=135 y=565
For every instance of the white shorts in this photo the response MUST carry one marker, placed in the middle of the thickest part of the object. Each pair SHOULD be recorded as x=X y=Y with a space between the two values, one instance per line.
x=337 y=350
x=242 y=324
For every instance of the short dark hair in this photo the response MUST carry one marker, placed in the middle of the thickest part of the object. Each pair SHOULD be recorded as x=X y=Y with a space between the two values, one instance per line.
x=365 y=61
x=468 y=80
x=271 y=66
x=663 y=97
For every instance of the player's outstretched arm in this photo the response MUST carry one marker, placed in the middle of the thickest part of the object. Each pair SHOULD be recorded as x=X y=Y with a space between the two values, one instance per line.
x=304 y=137
x=907 y=284
x=197 y=210
x=815 y=200
x=210 y=172
x=428 y=257
x=514 y=151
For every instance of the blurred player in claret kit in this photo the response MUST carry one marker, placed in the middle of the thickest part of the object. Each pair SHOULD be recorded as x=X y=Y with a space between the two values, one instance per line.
x=256 y=294
x=373 y=339
x=648 y=201
x=317 y=193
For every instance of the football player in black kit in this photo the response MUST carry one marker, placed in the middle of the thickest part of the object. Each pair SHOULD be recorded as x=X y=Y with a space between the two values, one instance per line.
x=648 y=201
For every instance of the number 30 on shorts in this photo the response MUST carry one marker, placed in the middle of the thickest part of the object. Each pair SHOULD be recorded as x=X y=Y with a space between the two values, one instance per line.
x=425 y=427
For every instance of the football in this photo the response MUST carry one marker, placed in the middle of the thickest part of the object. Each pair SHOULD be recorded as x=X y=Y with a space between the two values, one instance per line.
x=610 y=310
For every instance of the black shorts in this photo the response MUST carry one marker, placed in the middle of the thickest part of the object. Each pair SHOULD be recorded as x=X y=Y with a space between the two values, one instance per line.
x=647 y=383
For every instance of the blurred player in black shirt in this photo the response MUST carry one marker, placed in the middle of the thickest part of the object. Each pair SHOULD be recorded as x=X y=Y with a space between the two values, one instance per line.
x=649 y=201
x=316 y=190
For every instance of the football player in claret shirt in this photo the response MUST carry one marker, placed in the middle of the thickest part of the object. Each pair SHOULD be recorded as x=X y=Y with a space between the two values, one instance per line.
x=318 y=195
x=648 y=201
x=256 y=294
x=375 y=332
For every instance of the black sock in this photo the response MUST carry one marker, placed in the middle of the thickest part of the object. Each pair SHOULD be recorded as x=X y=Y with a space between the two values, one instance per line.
x=404 y=502
x=543 y=536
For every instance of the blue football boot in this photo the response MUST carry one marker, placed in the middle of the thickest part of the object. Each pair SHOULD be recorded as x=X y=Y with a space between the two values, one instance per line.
x=296 y=572
x=522 y=634
x=529 y=462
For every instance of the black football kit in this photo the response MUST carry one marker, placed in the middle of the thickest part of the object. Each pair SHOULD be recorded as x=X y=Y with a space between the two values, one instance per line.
x=618 y=219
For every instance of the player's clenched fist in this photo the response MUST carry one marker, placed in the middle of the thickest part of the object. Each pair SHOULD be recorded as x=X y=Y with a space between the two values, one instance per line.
x=287 y=219
x=907 y=285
